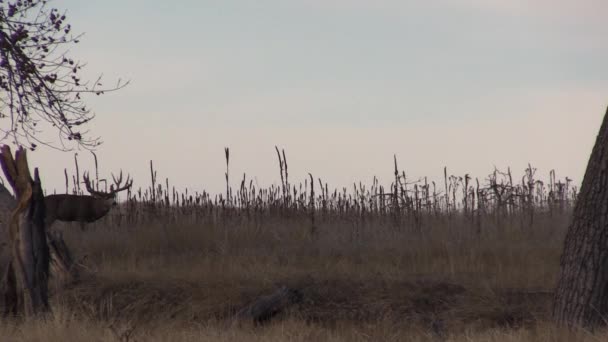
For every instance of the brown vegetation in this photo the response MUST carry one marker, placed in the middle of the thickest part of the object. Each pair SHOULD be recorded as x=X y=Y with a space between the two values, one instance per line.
x=411 y=262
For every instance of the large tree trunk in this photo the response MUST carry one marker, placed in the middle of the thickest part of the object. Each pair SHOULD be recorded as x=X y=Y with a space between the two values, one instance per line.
x=581 y=296
x=26 y=280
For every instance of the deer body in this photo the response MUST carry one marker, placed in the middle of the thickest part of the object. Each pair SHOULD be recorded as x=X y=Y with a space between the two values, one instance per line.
x=76 y=208
x=81 y=208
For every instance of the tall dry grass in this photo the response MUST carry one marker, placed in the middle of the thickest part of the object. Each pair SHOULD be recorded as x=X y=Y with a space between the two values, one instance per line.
x=471 y=262
x=62 y=328
x=168 y=281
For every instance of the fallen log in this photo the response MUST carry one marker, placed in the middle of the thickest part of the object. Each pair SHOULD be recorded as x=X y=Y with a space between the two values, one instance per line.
x=265 y=308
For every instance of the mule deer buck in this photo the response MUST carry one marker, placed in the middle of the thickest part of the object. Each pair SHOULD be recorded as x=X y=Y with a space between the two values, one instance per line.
x=83 y=208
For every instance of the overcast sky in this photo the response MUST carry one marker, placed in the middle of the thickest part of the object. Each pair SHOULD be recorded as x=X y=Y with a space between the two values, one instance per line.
x=342 y=86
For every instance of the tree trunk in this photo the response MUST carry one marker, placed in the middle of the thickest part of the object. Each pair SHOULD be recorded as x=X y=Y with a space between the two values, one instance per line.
x=581 y=296
x=26 y=280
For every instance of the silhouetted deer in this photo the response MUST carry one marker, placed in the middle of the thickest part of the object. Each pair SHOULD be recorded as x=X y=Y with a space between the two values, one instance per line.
x=83 y=208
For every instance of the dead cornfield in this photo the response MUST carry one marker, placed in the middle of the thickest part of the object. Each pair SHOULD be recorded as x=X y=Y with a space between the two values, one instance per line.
x=467 y=260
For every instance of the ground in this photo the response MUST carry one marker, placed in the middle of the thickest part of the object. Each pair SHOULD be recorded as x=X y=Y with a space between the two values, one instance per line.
x=180 y=280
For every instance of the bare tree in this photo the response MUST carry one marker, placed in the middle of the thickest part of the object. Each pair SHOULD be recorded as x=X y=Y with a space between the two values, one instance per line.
x=40 y=85
x=581 y=296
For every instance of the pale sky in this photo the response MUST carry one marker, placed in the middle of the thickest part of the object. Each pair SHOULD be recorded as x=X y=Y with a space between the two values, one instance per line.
x=342 y=86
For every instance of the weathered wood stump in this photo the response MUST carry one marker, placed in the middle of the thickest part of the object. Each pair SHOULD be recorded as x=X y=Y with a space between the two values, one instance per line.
x=25 y=282
x=62 y=266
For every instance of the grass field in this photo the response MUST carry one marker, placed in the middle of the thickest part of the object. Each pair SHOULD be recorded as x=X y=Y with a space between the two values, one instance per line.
x=184 y=282
x=176 y=274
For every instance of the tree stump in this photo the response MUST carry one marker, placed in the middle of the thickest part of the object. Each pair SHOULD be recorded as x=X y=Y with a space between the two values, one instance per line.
x=62 y=265
x=26 y=279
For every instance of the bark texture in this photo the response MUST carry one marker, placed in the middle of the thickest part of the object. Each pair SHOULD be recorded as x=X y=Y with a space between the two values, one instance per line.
x=581 y=296
x=26 y=280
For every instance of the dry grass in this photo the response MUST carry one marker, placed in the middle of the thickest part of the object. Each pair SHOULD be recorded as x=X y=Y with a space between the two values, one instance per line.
x=411 y=266
x=68 y=329
x=364 y=282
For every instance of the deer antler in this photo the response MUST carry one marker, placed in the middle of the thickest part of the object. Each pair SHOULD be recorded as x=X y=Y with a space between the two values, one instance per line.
x=118 y=181
x=87 y=183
